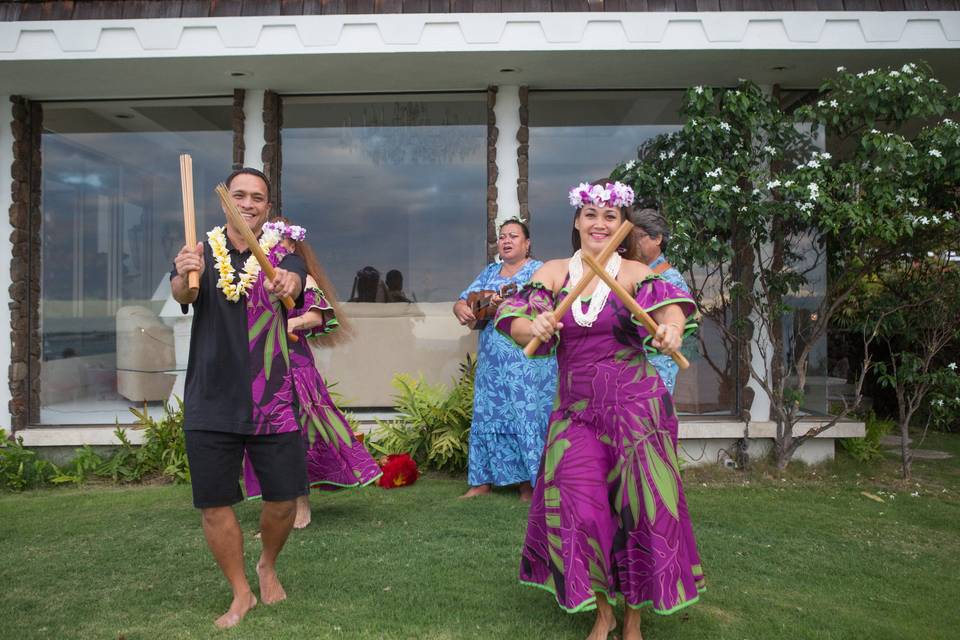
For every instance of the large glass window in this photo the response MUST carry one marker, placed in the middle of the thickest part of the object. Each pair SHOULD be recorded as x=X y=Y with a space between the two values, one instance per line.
x=112 y=223
x=581 y=136
x=392 y=191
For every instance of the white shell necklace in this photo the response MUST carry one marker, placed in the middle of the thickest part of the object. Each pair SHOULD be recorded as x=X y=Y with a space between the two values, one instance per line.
x=599 y=298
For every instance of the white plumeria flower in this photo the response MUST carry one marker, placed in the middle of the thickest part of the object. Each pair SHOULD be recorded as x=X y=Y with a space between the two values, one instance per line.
x=841 y=69
x=923 y=220
x=773 y=184
x=935 y=220
x=936 y=153
x=685 y=189
x=859 y=75
x=735 y=189
x=952 y=366
x=894 y=74
x=948 y=216
x=875 y=132
x=821 y=103
x=725 y=126
x=630 y=165
x=825 y=155
x=788 y=183
x=716 y=187
x=914 y=201
x=834 y=104
x=673 y=172
x=666 y=181
x=663 y=155
x=907 y=68
x=870 y=72
x=698 y=89
x=770 y=150
x=813 y=164
x=814 y=190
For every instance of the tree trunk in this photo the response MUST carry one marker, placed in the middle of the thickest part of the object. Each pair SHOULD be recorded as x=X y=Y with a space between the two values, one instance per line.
x=906 y=456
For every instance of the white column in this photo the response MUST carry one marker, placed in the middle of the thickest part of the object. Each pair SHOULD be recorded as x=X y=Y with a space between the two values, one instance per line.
x=6 y=250
x=253 y=128
x=507 y=112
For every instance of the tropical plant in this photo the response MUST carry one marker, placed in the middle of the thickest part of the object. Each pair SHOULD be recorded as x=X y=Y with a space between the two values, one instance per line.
x=869 y=447
x=758 y=208
x=432 y=424
x=20 y=467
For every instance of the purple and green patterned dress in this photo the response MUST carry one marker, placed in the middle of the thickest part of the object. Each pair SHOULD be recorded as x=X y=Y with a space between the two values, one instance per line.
x=335 y=458
x=608 y=513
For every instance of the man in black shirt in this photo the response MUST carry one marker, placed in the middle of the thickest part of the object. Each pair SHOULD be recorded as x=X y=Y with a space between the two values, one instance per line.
x=238 y=395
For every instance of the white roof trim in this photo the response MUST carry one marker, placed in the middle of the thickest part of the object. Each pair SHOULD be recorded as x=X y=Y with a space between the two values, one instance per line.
x=284 y=35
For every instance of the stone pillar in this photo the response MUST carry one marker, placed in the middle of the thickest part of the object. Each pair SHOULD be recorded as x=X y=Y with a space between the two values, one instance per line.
x=492 y=173
x=523 y=154
x=24 y=288
x=238 y=119
x=272 y=154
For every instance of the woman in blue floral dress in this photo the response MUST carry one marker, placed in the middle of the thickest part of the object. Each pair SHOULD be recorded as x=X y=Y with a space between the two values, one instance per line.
x=513 y=396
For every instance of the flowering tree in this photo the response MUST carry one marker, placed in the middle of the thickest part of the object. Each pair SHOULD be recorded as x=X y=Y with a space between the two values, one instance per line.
x=758 y=207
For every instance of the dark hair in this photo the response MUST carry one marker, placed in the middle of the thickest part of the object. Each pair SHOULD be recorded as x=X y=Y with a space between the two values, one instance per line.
x=654 y=225
x=366 y=285
x=319 y=275
x=624 y=215
x=250 y=171
x=394 y=280
x=522 y=225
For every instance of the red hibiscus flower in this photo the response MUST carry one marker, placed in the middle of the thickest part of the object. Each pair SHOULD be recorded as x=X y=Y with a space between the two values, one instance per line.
x=399 y=470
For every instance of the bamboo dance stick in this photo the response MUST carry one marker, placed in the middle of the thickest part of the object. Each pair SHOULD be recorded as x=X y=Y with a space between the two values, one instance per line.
x=189 y=214
x=233 y=214
x=587 y=278
x=631 y=304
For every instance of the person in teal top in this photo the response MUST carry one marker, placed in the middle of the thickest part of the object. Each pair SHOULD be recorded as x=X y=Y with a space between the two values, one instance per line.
x=650 y=239
x=513 y=395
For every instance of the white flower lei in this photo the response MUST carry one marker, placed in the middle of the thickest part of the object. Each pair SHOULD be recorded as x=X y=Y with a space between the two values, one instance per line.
x=251 y=268
x=600 y=293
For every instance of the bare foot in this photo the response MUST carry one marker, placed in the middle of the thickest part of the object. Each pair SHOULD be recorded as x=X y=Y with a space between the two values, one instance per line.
x=271 y=591
x=631 y=624
x=473 y=492
x=238 y=608
x=303 y=513
x=526 y=492
x=602 y=627
x=606 y=621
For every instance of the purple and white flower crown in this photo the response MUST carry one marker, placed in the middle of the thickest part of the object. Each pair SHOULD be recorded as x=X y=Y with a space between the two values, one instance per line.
x=611 y=194
x=292 y=231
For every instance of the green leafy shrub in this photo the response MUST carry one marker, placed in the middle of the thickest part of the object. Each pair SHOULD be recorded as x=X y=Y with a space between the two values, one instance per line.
x=868 y=448
x=20 y=468
x=163 y=450
x=433 y=424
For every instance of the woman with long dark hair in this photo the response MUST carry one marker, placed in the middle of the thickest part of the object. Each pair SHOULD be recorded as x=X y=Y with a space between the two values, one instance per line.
x=335 y=458
x=608 y=517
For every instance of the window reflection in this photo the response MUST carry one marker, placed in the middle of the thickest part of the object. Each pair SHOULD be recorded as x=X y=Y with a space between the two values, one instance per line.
x=392 y=192
x=112 y=222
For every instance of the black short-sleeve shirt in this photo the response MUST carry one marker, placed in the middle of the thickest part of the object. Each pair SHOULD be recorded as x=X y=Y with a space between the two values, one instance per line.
x=218 y=393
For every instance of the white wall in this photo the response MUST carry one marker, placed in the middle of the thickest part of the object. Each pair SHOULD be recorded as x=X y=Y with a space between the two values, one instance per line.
x=6 y=249
x=507 y=112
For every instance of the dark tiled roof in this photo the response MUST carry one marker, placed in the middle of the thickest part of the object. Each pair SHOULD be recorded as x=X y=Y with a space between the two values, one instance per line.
x=11 y=10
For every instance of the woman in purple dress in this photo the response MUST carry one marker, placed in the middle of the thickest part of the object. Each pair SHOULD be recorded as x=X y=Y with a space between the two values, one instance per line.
x=335 y=458
x=609 y=517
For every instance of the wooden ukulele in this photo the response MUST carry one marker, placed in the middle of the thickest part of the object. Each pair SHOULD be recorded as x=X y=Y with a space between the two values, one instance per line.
x=482 y=305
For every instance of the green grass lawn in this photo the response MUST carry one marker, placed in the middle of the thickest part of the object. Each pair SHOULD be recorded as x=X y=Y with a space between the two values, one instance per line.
x=804 y=555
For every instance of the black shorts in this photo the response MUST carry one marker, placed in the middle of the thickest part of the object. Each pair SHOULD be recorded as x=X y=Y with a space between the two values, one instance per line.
x=216 y=463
